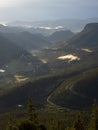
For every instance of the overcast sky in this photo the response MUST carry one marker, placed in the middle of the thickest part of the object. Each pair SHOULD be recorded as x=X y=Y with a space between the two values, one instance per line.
x=12 y=10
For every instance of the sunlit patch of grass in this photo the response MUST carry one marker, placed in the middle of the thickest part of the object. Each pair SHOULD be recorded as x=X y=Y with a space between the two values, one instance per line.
x=19 y=78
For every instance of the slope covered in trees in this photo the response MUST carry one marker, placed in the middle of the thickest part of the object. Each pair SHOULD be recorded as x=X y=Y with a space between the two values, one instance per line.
x=77 y=92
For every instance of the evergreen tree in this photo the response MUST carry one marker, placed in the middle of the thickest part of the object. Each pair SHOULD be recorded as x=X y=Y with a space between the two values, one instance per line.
x=26 y=125
x=93 y=123
x=53 y=124
x=31 y=112
x=42 y=127
x=10 y=126
x=78 y=123
x=30 y=123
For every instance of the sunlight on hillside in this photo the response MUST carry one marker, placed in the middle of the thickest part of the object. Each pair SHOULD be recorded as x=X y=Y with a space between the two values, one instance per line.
x=2 y=71
x=87 y=50
x=19 y=78
x=44 y=61
x=69 y=57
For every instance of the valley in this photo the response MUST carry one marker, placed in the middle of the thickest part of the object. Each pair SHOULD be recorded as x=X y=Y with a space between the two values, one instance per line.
x=71 y=57
x=59 y=72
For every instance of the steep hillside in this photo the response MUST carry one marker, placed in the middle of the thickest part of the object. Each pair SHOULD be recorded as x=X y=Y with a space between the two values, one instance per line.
x=16 y=64
x=8 y=50
x=27 y=40
x=71 y=56
x=80 y=51
x=60 y=36
x=78 y=92
x=88 y=38
x=88 y=84
x=38 y=89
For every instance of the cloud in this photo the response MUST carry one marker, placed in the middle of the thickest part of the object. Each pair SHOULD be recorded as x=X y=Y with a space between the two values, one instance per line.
x=9 y=3
x=46 y=9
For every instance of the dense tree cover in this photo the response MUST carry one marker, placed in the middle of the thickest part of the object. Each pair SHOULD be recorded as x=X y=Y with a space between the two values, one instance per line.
x=78 y=124
x=93 y=123
x=28 y=123
x=80 y=121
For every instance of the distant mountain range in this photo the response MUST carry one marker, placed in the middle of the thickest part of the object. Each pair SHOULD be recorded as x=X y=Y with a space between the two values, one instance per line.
x=29 y=40
x=75 y=25
x=68 y=63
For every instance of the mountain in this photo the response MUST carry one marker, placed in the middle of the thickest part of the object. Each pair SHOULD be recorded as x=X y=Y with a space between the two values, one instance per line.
x=60 y=36
x=27 y=40
x=78 y=92
x=9 y=29
x=80 y=51
x=88 y=38
x=37 y=88
x=14 y=59
x=17 y=62
x=74 y=63
x=47 y=26
x=9 y=50
x=77 y=54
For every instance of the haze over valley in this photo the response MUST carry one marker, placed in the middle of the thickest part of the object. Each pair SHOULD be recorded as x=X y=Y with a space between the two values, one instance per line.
x=48 y=65
x=25 y=55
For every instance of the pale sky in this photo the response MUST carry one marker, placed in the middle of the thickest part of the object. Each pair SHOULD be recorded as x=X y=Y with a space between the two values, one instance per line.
x=11 y=10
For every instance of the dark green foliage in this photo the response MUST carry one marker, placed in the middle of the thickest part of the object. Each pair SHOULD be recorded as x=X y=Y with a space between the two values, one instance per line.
x=29 y=125
x=53 y=121
x=31 y=112
x=87 y=85
x=77 y=92
x=26 y=125
x=53 y=124
x=41 y=127
x=39 y=89
x=93 y=123
x=11 y=126
x=78 y=124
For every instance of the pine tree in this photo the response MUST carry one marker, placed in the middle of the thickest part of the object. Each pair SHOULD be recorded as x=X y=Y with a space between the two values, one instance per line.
x=31 y=112
x=78 y=123
x=26 y=125
x=41 y=127
x=31 y=122
x=53 y=124
x=10 y=126
x=93 y=123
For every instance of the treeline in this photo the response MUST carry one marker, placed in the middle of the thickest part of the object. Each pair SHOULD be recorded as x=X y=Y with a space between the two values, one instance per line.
x=31 y=121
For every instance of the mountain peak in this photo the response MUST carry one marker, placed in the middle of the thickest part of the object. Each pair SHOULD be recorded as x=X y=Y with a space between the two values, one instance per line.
x=91 y=26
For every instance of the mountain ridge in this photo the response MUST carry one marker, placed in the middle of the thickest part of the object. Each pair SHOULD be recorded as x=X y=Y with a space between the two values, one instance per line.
x=60 y=36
